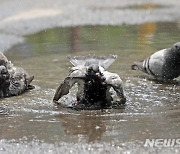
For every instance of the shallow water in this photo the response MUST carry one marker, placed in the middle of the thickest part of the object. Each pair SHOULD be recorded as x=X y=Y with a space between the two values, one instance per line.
x=31 y=121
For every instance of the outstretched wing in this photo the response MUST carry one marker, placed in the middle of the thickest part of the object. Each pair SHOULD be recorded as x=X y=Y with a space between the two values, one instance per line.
x=63 y=89
x=65 y=86
x=86 y=60
x=114 y=81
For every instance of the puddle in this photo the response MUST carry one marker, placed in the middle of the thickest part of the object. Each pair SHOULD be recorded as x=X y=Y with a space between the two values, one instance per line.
x=152 y=109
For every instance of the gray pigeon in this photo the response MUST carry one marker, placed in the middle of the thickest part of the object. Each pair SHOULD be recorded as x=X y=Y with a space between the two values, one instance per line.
x=94 y=82
x=13 y=80
x=163 y=65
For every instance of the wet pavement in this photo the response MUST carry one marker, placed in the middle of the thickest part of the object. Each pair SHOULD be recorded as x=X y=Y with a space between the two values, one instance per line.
x=30 y=123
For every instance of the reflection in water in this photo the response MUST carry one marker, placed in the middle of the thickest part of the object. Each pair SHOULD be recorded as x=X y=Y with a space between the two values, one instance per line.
x=91 y=127
x=146 y=6
x=146 y=32
x=75 y=38
x=100 y=39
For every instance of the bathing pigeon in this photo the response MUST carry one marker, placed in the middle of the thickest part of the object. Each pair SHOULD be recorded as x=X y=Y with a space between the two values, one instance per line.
x=163 y=65
x=94 y=82
x=13 y=80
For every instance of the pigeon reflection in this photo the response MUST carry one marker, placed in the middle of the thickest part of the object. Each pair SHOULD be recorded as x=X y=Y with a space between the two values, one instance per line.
x=90 y=127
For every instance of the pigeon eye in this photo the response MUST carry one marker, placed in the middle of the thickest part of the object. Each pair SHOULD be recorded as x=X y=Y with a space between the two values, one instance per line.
x=177 y=47
x=90 y=69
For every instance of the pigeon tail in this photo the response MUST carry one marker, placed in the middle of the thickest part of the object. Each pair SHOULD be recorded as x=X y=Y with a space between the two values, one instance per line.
x=86 y=60
x=29 y=80
x=138 y=66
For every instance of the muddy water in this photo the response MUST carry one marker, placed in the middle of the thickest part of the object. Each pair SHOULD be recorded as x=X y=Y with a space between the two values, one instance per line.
x=31 y=122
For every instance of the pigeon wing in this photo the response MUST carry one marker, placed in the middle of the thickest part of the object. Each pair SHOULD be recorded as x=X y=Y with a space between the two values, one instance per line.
x=63 y=89
x=65 y=86
x=76 y=75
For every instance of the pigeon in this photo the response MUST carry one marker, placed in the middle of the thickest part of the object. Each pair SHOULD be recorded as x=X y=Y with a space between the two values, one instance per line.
x=163 y=65
x=13 y=80
x=94 y=82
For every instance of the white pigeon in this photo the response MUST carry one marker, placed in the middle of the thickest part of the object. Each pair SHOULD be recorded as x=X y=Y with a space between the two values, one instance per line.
x=163 y=65
x=94 y=82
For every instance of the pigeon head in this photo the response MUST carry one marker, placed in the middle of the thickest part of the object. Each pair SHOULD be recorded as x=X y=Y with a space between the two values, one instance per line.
x=93 y=70
x=176 y=47
x=3 y=73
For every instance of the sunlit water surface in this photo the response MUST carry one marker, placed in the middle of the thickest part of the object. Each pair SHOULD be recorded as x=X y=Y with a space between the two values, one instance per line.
x=30 y=122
